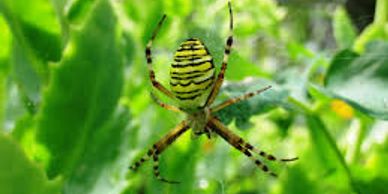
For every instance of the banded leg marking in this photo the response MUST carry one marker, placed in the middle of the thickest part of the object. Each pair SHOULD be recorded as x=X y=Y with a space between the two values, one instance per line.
x=157 y=172
x=148 y=55
x=159 y=147
x=263 y=154
x=238 y=99
x=143 y=159
x=228 y=47
x=237 y=143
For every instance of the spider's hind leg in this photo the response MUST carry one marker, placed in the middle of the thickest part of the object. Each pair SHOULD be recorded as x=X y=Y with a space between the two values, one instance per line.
x=243 y=146
x=159 y=147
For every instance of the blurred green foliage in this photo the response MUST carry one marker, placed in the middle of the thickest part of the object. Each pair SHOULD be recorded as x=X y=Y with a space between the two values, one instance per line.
x=75 y=108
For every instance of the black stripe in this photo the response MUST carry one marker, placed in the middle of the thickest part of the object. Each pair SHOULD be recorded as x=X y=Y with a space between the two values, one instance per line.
x=247 y=153
x=188 y=77
x=188 y=98
x=229 y=41
x=197 y=90
x=190 y=57
x=193 y=72
x=227 y=50
x=192 y=64
x=184 y=78
x=190 y=82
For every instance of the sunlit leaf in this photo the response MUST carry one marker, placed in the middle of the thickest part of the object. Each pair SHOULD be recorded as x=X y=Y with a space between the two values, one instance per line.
x=83 y=91
x=18 y=175
x=361 y=80
x=344 y=31
x=35 y=25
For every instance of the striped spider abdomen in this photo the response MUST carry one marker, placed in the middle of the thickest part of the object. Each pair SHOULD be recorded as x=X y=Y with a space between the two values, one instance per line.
x=192 y=74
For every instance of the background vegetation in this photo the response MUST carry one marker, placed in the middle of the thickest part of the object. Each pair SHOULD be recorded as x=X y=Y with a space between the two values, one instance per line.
x=75 y=109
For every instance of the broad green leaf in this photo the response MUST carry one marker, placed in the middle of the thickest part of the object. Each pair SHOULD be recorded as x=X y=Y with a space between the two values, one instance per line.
x=242 y=111
x=35 y=25
x=344 y=32
x=361 y=80
x=18 y=175
x=83 y=91
x=100 y=169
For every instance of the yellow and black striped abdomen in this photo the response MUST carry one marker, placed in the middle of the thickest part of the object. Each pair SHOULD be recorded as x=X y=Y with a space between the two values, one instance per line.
x=192 y=74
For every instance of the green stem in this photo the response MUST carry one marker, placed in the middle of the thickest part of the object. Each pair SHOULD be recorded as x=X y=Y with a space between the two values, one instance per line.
x=381 y=13
x=305 y=109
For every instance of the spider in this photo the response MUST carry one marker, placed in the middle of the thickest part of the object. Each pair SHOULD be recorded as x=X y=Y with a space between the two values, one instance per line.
x=194 y=86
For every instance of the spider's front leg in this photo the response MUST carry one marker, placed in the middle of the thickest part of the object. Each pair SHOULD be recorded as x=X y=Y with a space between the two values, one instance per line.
x=228 y=48
x=159 y=147
x=148 y=55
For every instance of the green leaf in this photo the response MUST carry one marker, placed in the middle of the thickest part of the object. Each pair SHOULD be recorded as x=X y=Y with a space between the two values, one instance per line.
x=35 y=25
x=242 y=111
x=28 y=79
x=18 y=175
x=5 y=42
x=361 y=80
x=344 y=32
x=330 y=157
x=83 y=92
x=242 y=68
x=101 y=161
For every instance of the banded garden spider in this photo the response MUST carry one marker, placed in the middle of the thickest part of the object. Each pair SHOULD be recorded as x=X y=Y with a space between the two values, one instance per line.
x=195 y=87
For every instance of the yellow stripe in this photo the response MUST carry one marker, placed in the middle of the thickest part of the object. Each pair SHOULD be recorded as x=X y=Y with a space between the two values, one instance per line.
x=195 y=61
x=191 y=42
x=185 y=53
x=187 y=69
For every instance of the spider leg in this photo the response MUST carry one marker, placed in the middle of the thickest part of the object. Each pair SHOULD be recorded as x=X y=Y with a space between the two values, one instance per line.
x=237 y=143
x=164 y=105
x=148 y=55
x=238 y=99
x=228 y=47
x=159 y=147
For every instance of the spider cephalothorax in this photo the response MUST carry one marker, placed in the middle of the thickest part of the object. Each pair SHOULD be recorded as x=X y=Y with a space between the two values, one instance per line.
x=194 y=86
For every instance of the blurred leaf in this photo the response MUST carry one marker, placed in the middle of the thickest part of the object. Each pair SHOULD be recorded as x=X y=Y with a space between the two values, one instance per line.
x=79 y=10
x=326 y=149
x=264 y=102
x=18 y=175
x=241 y=68
x=373 y=178
x=28 y=80
x=179 y=8
x=99 y=170
x=344 y=32
x=35 y=25
x=5 y=42
x=298 y=182
x=361 y=80
x=378 y=30
x=83 y=91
